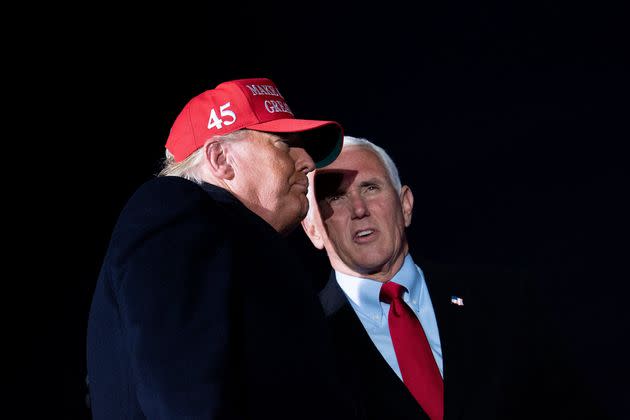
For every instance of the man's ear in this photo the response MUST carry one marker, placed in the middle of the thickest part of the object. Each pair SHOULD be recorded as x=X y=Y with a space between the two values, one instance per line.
x=313 y=232
x=406 y=201
x=216 y=154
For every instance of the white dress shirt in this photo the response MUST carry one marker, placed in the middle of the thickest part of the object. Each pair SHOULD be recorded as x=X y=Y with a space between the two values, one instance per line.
x=363 y=295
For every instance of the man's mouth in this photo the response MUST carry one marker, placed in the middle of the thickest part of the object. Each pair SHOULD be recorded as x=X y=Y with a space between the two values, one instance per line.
x=363 y=235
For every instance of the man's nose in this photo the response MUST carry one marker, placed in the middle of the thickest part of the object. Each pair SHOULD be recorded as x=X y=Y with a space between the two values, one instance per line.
x=359 y=206
x=303 y=161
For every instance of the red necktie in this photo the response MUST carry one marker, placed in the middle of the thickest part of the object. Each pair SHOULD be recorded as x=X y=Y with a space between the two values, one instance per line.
x=419 y=371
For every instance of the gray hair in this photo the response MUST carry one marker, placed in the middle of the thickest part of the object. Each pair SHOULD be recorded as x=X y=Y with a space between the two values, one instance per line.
x=190 y=168
x=386 y=160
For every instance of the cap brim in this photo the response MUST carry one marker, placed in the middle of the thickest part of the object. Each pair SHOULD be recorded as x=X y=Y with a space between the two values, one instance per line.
x=322 y=139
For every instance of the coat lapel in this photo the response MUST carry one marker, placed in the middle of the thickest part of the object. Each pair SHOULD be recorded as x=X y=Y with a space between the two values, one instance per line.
x=454 y=334
x=378 y=391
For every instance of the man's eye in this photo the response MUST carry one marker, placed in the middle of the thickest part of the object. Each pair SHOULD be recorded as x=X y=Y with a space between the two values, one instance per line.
x=371 y=188
x=332 y=198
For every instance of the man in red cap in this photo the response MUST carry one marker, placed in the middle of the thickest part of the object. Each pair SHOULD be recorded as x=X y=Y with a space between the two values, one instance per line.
x=201 y=309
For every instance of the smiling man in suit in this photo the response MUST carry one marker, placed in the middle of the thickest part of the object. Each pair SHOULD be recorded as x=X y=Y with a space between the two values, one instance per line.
x=413 y=339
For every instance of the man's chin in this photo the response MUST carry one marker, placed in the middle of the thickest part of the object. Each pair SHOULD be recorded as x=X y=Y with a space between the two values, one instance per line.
x=303 y=210
x=368 y=267
x=295 y=222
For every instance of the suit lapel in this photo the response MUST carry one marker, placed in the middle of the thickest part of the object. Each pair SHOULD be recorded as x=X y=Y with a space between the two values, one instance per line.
x=378 y=391
x=455 y=337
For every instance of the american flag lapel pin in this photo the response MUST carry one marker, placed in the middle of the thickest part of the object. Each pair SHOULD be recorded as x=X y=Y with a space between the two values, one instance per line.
x=456 y=300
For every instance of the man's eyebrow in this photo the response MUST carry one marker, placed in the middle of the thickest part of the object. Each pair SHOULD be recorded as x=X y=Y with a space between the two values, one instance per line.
x=337 y=191
x=342 y=190
x=371 y=181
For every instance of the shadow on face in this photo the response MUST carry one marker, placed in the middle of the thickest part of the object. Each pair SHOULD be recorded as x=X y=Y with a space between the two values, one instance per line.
x=330 y=183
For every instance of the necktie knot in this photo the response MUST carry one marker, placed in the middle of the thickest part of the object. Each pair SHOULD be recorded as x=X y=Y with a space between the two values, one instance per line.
x=391 y=291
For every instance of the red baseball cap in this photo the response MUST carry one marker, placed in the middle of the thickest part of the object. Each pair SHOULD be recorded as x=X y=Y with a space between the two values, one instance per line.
x=255 y=104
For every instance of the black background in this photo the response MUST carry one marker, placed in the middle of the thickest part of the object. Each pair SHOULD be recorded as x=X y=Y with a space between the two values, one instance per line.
x=508 y=120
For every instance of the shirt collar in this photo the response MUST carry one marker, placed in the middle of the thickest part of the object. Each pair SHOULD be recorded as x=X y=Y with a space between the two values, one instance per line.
x=364 y=293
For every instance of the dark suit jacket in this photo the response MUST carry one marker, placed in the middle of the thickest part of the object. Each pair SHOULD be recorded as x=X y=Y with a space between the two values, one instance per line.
x=201 y=311
x=485 y=352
